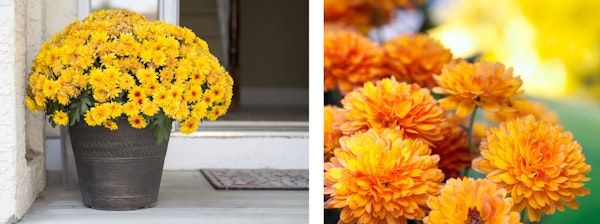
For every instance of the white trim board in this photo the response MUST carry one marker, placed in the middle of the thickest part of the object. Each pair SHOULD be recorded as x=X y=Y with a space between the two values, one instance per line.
x=219 y=150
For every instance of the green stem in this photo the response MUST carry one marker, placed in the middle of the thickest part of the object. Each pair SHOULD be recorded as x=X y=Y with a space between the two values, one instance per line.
x=470 y=131
x=470 y=136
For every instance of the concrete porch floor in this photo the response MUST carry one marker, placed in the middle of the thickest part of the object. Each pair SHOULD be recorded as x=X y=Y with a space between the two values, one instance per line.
x=185 y=197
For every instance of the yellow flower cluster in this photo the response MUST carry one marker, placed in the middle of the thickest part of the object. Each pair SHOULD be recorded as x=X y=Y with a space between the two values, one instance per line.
x=117 y=64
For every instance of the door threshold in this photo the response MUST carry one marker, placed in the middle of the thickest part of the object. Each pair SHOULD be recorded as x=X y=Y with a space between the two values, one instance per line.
x=252 y=126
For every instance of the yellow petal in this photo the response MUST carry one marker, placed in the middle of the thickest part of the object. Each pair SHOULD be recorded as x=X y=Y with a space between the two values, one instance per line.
x=450 y=102
x=465 y=108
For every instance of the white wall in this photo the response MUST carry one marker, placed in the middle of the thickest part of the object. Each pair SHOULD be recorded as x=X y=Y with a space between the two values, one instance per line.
x=24 y=25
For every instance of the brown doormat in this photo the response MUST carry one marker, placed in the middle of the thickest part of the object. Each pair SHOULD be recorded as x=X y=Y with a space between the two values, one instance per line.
x=257 y=179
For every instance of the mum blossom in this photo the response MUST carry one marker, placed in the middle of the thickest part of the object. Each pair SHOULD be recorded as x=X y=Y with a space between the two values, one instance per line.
x=350 y=59
x=364 y=14
x=454 y=148
x=353 y=13
x=331 y=134
x=541 y=166
x=377 y=176
x=485 y=84
x=392 y=104
x=471 y=201
x=523 y=107
x=416 y=58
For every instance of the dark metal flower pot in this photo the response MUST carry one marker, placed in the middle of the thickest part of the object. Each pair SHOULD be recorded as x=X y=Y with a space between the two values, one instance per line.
x=117 y=170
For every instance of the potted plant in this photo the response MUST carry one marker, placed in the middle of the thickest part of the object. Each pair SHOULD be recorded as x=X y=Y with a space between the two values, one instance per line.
x=119 y=81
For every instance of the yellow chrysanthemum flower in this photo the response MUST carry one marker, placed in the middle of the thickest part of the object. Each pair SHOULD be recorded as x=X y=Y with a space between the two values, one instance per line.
x=100 y=114
x=199 y=110
x=151 y=87
x=190 y=125
x=392 y=104
x=488 y=85
x=96 y=116
x=116 y=109
x=193 y=94
x=182 y=112
x=416 y=58
x=471 y=201
x=541 y=166
x=126 y=82
x=60 y=117
x=218 y=91
x=31 y=104
x=208 y=97
x=161 y=97
x=96 y=77
x=137 y=121
x=50 y=89
x=130 y=108
x=215 y=111
x=377 y=176
x=111 y=125
x=197 y=77
x=146 y=75
x=137 y=92
x=331 y=134
x=176 y=92
x=149 y=108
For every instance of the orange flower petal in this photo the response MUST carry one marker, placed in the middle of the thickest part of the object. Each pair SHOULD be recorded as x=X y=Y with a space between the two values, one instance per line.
x=377 y=176
x=449 y=102
x=540 y=165
x=465 y=108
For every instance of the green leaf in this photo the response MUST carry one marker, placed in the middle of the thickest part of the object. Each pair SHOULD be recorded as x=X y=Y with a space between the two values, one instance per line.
x=162 y=127
x=80 y=106
x=158 y=135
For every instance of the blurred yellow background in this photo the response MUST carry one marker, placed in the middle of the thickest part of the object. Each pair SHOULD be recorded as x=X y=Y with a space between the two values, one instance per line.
x=553 y=44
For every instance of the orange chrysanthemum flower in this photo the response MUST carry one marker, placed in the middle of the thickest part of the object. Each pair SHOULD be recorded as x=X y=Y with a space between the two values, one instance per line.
x=350 y=59
x=416 y=58
x=364 y=14
x=353 y=13
x=392 y=104
x=485 y=84
x=454 y=148
x=331 y=134
x=524 y=107
x=541 y=166
x=377 y=176
x=471 y=201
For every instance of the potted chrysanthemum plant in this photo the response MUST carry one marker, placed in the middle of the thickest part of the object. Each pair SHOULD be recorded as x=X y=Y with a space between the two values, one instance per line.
x=118 y=82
